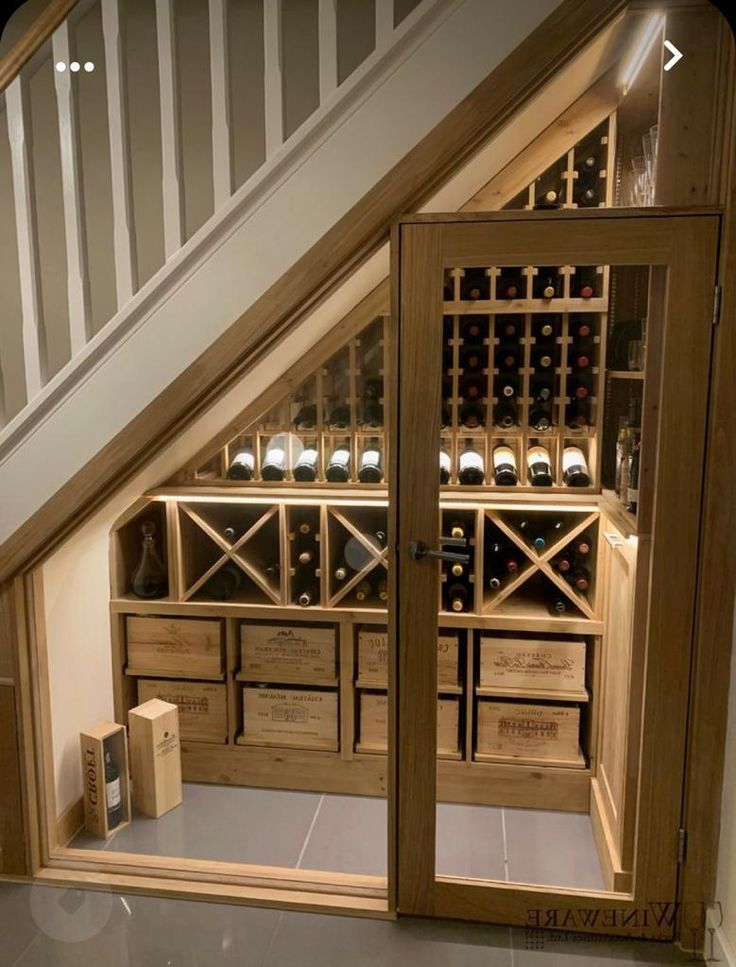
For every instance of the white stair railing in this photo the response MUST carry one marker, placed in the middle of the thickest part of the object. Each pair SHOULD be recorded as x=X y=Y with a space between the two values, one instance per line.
x=44 y=389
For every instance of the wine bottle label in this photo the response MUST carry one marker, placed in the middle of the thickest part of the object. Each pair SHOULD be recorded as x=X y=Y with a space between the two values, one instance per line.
x=538 y=455
x=632 y=495
x=275 y=457
x=573 y=460
x=504 y=458
x=245 y=458
x=445 y=462
x=340 y=457
x=308 y=458
x=112 y=793
x=470 y=459
x=370 y=458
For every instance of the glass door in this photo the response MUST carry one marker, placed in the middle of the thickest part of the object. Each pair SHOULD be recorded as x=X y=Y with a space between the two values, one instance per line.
x=553 y=376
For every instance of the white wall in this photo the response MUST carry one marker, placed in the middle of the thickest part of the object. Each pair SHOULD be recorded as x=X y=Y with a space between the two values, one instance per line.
x=76 y=577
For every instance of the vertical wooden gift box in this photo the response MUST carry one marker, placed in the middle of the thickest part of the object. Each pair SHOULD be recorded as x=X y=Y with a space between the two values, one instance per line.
x=155 y=757
x=93 y=744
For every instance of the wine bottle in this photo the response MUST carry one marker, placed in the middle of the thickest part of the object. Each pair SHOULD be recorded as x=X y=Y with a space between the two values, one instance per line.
x=627 y=428
x=505 y=472
x=588 y=163
x=563 y=563
x=543 y=359
x=457 y=597
x=578 y=389
x=448 y=288
x=363 y=589
x=583 y=284
x=507 y=358
x=471 y=415
x=580 y=328
x=340 y=417
x=575 y=471
x=274 y=462
x=306 y=418
x=472 y=330
x=557 y=605
x=373 y=388
x=341 y=573
x=494 y=582
x=113 y=798
x=457 y=570
x=471 y=358
x=371 y=470
x=445 y=467
x=150 y=578
x=273 y=572
x=632 y=489
x=242 y=465
x=577 y=414
x=305 y=557
x=457 y=529
x=544 y=330
x=548 y=199
x=539 y=418
x=505 y=415
x=510 y=285
x=579 y=359
x=308 y=596
x=511 y=564
x=507 y=389
x=580 y=578
x=542 y=392
x=382 y=589
x=472 y=388
x=474 y=285
x=582 y=545
x=539 y=467
x=471 y=470
x=306 y=466
x=372 y=415
x=224 y=583
x=338 y=467
x=507 y=328
x=586 y=195
x=547 y=284
x=230 y=534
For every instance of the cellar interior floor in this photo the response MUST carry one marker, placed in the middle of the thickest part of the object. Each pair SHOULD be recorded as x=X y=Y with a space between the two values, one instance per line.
x=347 y=834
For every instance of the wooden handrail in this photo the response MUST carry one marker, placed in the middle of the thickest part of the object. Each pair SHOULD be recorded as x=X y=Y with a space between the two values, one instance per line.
x=36 y=35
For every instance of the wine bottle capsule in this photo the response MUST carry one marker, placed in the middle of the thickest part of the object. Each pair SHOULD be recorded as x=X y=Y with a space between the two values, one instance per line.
x=307 y=597
x=494 y=583
x=229 y=534
x=242 y=466
x=457 y=530
x=581 y=578
x=305 y=557
x=457 y=596
x=563 y=563
x=558 y=605
x=305 y=527
x=363 y=590
x=457 y=570
x=583 y=544
x=505 y=472
x=507 y=390
x=575 y=471
x=539 y=467
x=341 y=573
x=548 y=199
x=382 y=589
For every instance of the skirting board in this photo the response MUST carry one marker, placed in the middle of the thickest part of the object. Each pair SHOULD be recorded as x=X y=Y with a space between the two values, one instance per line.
x=717 y=945
x=70 y=822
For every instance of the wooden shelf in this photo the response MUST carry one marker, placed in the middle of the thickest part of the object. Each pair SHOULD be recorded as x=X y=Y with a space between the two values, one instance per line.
x=625 y=374
x=578 y=763
x=573 y=695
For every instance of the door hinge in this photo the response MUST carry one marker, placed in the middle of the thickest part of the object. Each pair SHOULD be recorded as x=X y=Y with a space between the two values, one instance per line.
x=717 y=305
x=681 y=845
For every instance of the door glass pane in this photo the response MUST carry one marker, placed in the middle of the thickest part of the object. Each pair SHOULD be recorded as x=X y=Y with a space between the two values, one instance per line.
x=543 y=422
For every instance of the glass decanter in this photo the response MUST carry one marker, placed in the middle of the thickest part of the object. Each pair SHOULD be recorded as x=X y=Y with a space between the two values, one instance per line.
x=150 y=579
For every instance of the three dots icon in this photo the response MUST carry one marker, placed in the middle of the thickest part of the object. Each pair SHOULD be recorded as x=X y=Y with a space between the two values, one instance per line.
x=75 y=66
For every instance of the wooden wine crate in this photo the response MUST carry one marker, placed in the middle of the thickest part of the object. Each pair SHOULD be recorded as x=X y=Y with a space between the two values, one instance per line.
x=545 y=733
x=155 y=757
x=183 y=647
x=373 y=658
x=288 y=653
x=94 y=742
x=291 y=717
x=202 y=706
x=374 y=724
x=521 y=663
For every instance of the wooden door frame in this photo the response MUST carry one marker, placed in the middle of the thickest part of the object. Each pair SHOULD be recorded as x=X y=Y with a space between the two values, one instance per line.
x=422 y=245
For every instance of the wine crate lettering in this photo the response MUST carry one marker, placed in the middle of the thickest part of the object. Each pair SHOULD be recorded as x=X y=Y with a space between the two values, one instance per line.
x=529 y=731
x=374 y=723
x=105 y=736
x=290 y=717
x=185 y=646
x=202 y=706
x=527 y=663
x=155 y=757
x=373 y=657
x=303 y=654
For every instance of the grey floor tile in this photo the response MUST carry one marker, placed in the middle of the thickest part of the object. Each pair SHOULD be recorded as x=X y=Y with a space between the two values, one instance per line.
x=470 y=841
x=308 y=940
x=551 y=848
x=17 y=926
x=349 y=836
x=541 y=948
x=228 y=823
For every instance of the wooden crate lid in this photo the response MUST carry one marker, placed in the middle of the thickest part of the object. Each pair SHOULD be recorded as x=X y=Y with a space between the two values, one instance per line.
x=153 y=709
x=102 y=730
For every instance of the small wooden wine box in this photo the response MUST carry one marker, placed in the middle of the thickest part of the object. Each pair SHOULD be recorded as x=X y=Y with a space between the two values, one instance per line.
x=94 y=742
x=373 y=657
x=182 y=647
x=291 y=717
x=202 y=706
x=374 y=724
x=546 y=733
x=288 y=653
x=520 y=663
x=155 y=757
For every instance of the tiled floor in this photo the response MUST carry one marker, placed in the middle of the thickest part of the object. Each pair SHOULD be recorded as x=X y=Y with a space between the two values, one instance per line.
x=347 y=834
x=51 y=927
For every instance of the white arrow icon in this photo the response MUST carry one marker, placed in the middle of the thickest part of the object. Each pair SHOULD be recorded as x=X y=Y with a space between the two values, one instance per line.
x=676 y=55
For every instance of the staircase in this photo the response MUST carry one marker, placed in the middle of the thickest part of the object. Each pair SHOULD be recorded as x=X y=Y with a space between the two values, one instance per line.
x=153 y=199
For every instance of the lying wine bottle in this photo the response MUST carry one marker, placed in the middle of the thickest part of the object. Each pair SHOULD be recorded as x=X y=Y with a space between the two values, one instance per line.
x=505 y=472
x=445 y=467
x=580 y=578
x=224 y=583
x=457 y=597
x=558 y=605
x=363 y=590
x=242 y=465
x=539 y=467
x=382 y=589
x=575 y=471
x=309 y=596
x=340 y=417
x=582 y=545
x=274 y=462
x=563 y=563
x=548 y=199
x=372 y=413
x=539 y=419
x=338 y=467
x=505 y=415
x=471 y=415
x=306 y=466
x=471 y=471
x=371 y=470
x=341 y=573
x=457 y=570
x=306 y=418
x=494 y=582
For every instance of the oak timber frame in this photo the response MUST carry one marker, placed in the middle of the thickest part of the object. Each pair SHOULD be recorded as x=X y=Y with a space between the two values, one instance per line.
x=484 y=112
